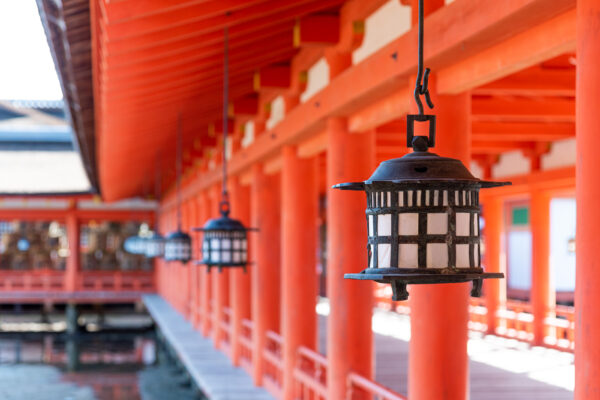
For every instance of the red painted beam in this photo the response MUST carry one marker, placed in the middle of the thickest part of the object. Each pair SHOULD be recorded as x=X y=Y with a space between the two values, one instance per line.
x=317 y=30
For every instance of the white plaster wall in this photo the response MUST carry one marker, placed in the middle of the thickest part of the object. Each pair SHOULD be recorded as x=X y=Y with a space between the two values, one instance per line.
x=510 y=164
x=562 y=154
x=318 y=78
x=387 y=23
x=248 y=137
x=277 y=112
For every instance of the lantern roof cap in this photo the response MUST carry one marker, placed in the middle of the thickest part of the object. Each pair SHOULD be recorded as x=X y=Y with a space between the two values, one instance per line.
x=178 y=234
x=223 y=223
x=420 y=167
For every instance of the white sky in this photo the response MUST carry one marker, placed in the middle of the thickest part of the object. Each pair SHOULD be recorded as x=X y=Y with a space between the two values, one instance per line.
x=26 y=66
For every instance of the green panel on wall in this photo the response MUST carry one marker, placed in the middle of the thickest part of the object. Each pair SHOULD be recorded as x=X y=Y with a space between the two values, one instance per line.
x=520 y=215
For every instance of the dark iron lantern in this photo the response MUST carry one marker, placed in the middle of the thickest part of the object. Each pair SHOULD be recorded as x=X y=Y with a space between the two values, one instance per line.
x=178 y=247
x=422 y=213
x=225 y=242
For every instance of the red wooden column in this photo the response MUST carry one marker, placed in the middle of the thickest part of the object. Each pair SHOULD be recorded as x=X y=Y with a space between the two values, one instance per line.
x=492 y=262
x=438 y=361
x=542 y=295
x=299 y=211
x=205 y=280
x=72 y=268
x=350 y=157
x=239 y=281
x=266 y=274
x=220 y=281
x=193 y=268
x=587 y=295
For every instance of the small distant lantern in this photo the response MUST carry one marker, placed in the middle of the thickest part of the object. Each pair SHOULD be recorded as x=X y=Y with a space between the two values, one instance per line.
x=154 y=246
x=178 y=247
x=225 y=242
x=422 y=213
x=134 y=245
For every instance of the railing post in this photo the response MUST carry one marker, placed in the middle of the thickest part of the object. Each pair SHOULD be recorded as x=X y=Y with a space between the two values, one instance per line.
x=542 y=295
x=266 y=272
x=299 y=203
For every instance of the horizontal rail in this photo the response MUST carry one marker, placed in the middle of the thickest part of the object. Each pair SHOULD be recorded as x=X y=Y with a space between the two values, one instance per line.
x=356 y=381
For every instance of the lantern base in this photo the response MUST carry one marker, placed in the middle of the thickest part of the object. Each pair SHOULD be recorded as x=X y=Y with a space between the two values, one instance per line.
x=399 y=281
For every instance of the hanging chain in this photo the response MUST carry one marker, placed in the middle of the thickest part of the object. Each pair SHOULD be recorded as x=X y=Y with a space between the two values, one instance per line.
x=224 y=204
x=422 y=83
x=178 y=160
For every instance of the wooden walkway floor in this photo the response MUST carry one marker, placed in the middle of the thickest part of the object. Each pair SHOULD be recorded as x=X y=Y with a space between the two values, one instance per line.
x=209 y=368
x=500 y=369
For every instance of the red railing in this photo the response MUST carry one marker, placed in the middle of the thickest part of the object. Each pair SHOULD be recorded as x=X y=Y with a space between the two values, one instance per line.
x=122 y=281
x=32 y=280
x=515 y=321
x=477 y=315
x=245 y=341
x=310 y=375
x=362 y=388
x=273 y=364
x=225 y=327
x=561 y=329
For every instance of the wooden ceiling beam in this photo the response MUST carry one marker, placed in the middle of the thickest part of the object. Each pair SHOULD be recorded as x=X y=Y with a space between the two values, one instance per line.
x=522 y=131
x=533 y=82
x=317 y=30
x=518 y=109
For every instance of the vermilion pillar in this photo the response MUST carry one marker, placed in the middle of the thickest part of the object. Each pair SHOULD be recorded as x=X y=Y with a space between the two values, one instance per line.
x=72 y=268
x=266 y=274
x=205 y=280
x=350 y=157
x=542 y=295
x=239 y=281
x=299 y=211
x=492 y=261
x=587 y=293
x=220 y=281
x=193 y=269
x=438 y=361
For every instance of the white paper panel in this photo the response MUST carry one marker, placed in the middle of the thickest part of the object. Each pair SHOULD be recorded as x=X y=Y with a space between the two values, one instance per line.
x=462 y=224
x=408 y=224
x=462 y=256
x=383 y=255
x=437 y=255
x=384 y=225
x=408 y=255
x=437 y=223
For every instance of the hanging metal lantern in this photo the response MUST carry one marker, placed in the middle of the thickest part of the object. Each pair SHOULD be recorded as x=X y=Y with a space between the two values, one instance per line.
x=225 y=242
x=134 y=245
x=154 y=245
x=422 y=213
x=178 y=247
